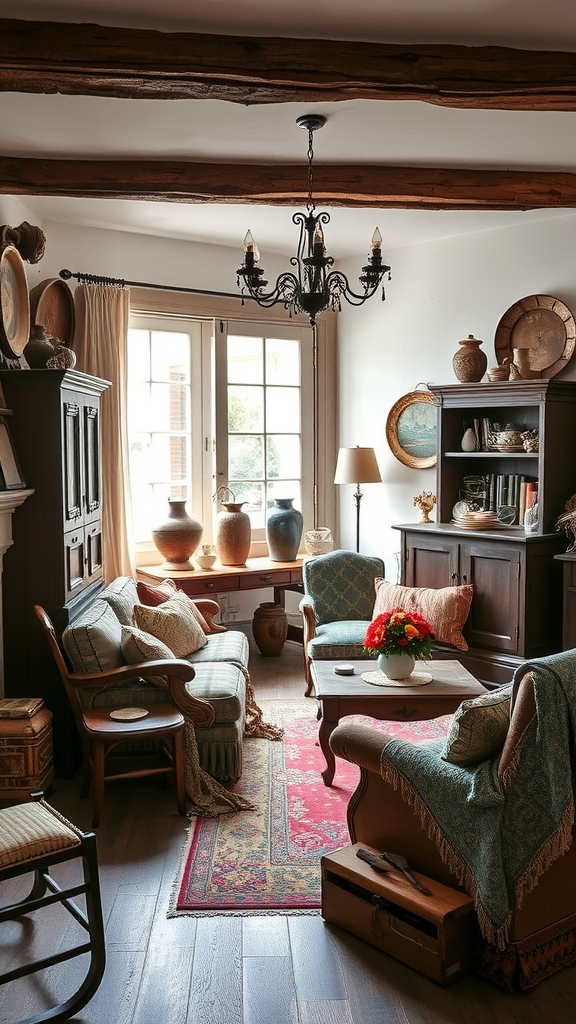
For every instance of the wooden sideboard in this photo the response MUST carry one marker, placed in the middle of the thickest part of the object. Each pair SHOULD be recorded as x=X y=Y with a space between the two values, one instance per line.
x=255 y=575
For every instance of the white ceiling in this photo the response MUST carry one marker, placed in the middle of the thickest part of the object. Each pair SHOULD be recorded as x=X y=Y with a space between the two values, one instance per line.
x=408 y=133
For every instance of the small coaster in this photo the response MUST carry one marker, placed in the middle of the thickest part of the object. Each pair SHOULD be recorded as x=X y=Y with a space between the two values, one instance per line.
x=379 y=679
x=128 y=714
x=345 y=669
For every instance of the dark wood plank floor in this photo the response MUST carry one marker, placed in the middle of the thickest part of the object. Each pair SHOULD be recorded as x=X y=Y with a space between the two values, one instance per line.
x=233 y=970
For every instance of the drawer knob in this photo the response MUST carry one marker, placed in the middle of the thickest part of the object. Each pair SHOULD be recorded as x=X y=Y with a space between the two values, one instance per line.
x=266 y=577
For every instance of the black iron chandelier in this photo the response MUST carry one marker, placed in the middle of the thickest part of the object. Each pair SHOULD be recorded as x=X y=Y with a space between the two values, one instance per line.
x=312 y=288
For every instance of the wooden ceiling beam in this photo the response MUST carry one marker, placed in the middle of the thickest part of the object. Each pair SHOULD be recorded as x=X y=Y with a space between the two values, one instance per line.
x=83 y=59
x=286 y=185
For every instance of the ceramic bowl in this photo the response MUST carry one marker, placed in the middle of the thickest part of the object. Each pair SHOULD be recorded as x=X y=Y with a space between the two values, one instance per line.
x=205 y=561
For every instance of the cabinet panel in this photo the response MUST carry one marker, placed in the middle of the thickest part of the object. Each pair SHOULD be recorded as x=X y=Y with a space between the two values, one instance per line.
x=494 y=572
x=429 y=561
x=72 y=462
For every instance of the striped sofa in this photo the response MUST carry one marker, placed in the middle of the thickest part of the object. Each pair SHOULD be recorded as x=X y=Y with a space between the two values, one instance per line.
x=93 y=643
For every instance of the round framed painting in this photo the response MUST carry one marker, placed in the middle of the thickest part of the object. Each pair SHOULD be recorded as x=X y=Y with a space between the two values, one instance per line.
x=412 y=430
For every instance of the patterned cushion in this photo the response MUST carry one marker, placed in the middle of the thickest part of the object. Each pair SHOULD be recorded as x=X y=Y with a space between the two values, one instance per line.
x=231 y=646
x=174 y=623
x=93 y=642
x=341 y=584
x=158 y=594
x=337 y=640
x=446 y=609
x=479 y=728
x=223 y=686
x=122 y=595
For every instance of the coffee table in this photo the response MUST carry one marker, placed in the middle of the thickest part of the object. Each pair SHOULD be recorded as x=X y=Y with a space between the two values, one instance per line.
x=339 y=696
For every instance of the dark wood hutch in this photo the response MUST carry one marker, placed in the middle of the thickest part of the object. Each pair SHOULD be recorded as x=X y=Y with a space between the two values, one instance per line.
x=516 y=610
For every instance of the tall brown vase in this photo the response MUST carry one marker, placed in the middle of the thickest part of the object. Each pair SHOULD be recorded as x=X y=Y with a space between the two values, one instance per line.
x=233 y=534
x=178 y=536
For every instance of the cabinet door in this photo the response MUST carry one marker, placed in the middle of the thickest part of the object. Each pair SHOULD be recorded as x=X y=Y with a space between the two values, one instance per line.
x=429 y=561
x=91 y=452
x=74 y=563
x=494 y=571
x=72 y=463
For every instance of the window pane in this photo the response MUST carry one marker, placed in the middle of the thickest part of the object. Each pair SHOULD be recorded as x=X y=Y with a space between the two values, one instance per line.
x=245 y=360
x=139 y=354
x=283 y=410
x=139 y=408
x=169 y=459
x=252 y=492
x=245 y=457
x=169 y=407
x=170 y=356
x=245 y=408
x=283 y=456
x=282 y=361
x=284 y=489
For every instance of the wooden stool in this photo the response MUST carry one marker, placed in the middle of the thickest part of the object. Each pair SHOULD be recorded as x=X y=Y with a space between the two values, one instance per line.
x=34 y=837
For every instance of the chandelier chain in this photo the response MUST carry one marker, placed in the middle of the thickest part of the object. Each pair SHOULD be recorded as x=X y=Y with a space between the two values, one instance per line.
x=310 y=203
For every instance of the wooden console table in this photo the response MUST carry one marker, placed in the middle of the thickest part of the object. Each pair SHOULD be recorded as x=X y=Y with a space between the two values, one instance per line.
x=256 y=574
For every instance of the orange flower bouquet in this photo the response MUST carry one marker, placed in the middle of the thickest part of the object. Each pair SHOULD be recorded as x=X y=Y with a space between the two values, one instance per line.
x=399 y=632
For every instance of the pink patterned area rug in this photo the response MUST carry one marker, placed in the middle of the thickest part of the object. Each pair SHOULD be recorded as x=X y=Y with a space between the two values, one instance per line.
x=268 y=860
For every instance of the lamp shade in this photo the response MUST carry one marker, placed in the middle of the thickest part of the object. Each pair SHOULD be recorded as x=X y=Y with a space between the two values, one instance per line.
x=357 y=466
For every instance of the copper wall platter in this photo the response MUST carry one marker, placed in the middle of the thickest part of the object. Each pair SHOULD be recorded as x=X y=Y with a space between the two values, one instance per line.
x=538 y=334
x=52 y=305
x=14 y=303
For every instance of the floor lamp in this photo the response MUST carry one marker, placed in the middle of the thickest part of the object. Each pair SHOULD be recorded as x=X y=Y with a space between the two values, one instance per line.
x=357 y=466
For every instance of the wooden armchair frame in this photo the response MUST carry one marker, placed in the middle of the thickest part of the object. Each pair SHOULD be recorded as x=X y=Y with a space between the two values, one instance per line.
x=101 y=734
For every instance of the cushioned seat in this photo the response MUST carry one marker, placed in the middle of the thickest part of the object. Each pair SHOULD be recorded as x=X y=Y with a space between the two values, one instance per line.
x=33 y=838
x=338 y=640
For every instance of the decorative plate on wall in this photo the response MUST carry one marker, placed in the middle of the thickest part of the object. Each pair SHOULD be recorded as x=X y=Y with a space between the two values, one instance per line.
x=14 y=303
x=52 y=305
x=537 y=334
x=412 y=430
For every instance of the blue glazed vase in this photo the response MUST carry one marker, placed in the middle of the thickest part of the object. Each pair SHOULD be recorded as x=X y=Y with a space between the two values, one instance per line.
x=284 y=530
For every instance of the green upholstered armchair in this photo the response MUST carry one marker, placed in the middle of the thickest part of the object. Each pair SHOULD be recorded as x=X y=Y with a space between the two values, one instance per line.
x=337 y=606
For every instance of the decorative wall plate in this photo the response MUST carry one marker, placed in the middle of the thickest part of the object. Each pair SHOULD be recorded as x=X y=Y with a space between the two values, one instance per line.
x=52 y=305
x=14 y=303
x=412 y=430
x=541 y=327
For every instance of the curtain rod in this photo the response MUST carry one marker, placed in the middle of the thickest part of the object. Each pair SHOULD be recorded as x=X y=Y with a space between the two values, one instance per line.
x=97 y=279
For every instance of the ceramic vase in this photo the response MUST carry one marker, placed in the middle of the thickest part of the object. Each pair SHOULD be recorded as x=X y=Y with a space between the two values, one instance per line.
x=284 y=530
x=469 y=362
x=233 y=534
x=270 y=628
x=178 y=536
x=396 y=666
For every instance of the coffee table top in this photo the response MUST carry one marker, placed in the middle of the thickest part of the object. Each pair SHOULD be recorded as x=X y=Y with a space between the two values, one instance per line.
x=448 y=678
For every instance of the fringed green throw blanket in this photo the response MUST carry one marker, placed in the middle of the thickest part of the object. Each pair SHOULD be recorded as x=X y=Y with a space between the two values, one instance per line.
x=499 y=843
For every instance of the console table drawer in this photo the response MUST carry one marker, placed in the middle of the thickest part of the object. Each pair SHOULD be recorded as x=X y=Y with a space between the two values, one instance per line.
x=209 y=584
x=272 y=578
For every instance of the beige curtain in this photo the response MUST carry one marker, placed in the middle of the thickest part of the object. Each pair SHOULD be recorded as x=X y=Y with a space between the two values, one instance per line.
x=100 y=344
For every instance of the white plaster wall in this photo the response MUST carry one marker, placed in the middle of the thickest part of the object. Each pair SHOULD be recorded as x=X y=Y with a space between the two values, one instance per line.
x=439 y=293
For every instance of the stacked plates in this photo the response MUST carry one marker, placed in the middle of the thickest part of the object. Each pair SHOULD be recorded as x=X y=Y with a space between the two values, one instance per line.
x=476 y=520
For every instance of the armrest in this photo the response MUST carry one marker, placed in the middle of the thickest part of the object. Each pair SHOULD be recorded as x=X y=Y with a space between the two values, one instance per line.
x=177 y=671
x=209 y=608
x=522 y=713
x=359 y=744
x=306 y=606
